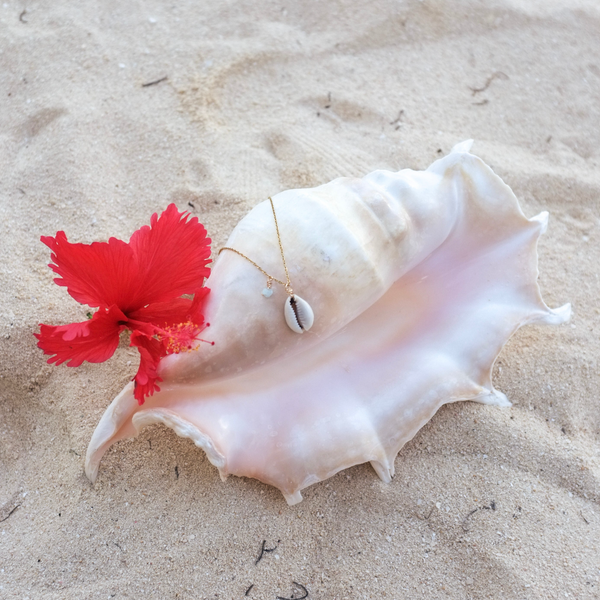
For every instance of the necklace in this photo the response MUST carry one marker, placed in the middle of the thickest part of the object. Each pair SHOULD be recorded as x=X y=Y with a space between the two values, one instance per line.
x=297 y=312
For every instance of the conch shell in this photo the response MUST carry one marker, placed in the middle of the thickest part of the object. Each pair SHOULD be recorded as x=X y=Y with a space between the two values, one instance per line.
x=417 y=279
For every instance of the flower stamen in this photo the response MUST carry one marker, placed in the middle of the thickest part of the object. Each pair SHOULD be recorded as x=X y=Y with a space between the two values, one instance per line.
x=181 y=337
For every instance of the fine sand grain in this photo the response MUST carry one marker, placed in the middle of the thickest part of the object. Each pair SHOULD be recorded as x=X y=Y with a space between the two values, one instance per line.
x=256 y=97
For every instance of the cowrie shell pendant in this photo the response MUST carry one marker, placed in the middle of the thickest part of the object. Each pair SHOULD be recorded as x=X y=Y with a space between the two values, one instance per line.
x=298 y=314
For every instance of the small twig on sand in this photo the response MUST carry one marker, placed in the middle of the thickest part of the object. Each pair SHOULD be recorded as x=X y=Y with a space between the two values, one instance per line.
x=492 y=506
x=488 y=81
x=464 y=523
x=155 y=82
x=425 y=518
x=304 y=590
x=10 y=513
x=263 y=550
x=248 y=590
x=397 y=120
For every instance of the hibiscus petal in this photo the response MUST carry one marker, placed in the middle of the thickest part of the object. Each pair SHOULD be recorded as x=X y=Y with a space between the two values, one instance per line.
x=178 y=310
x=172 y=254
x=98 y=274
x=151 y=350
x=163 y=328
x=95 y=340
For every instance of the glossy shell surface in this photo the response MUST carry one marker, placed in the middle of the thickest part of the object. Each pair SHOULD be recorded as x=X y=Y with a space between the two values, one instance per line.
x=298 y=314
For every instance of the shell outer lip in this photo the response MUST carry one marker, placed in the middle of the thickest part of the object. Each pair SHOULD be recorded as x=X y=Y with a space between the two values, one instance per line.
x=298 y=314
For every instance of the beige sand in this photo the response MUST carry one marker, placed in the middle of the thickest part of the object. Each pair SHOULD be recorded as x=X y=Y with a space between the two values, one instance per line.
x=263 y=96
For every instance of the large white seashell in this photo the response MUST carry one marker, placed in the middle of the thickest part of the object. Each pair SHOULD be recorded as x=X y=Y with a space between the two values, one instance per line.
x=418 y=280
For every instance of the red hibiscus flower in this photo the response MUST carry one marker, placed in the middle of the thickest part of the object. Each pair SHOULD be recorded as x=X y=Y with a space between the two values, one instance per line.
x=136 y=286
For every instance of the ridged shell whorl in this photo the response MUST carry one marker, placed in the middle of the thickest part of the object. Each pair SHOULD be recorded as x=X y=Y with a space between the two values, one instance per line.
x=345 y=242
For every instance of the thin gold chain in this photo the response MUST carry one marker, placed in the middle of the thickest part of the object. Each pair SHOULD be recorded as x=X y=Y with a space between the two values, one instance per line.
x=286 y=284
